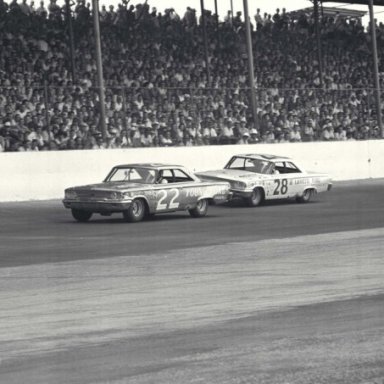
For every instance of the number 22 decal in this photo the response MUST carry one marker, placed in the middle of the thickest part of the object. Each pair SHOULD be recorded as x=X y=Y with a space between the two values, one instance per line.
x=173 y=204
x=281 y=187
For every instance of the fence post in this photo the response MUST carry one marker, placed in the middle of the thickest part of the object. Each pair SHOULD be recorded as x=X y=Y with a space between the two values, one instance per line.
x=46 y=104
x=375 y=68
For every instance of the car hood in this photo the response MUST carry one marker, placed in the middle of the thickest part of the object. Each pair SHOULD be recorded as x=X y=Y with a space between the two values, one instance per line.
x=111 y=186
x=231 y=175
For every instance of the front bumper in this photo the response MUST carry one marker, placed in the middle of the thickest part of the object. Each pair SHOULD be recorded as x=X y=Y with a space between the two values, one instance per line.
x=97 y=206
x=241 y=193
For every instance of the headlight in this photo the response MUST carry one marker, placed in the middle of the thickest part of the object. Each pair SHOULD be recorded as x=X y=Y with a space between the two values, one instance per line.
x=116 y=195
x=70 y=195
x=239 y=185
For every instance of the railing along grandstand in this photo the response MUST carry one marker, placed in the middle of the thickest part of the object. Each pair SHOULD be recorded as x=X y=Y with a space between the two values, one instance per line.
x=67 y=118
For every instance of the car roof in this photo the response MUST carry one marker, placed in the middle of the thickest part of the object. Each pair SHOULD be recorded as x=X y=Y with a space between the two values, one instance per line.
x=263 y=156
x=150 y=165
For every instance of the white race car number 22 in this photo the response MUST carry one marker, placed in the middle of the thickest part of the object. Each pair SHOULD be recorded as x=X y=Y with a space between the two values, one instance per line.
x=162 y=204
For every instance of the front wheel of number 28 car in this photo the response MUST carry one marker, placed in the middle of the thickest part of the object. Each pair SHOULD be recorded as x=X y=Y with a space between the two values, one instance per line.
x=256 y=198
x=201 y=209
x=81 y=215
x=135 y=212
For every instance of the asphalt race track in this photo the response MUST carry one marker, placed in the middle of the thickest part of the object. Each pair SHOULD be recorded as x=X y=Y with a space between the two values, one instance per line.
x=282 y=293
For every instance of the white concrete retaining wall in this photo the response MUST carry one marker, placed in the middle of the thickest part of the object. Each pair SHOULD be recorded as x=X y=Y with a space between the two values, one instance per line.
x=44 y=175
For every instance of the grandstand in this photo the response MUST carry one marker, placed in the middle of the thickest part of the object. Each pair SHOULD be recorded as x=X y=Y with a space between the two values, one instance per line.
x=157 y=92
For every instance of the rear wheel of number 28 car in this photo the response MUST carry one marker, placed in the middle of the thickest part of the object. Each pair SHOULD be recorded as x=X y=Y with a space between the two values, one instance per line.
x=81 y=215
x=135 y=212
x=201 y=209
x=307 y=196
x=256 y=198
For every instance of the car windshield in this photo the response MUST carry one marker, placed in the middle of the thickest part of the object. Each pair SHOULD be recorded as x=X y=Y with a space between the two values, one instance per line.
x=132 y=174
x=251 y=165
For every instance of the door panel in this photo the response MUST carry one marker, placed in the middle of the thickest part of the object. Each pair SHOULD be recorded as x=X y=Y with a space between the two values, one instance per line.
x=280 y=187
x=168 y=198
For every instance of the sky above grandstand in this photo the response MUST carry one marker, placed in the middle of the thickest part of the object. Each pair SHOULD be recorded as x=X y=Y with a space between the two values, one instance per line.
x=268 y=6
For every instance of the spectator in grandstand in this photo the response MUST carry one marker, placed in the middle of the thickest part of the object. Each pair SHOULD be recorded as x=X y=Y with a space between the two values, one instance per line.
x=2 y=144
x=309 y=130
x=165 y=139
x=268 y=135
x=328 y=131
x=41 y=11
x=54 y=11
x=244 y=138
x=25 y=8
x=294 y=134
x=340 y=134
x=276 y=17
x=259 y=20
x=3 y=9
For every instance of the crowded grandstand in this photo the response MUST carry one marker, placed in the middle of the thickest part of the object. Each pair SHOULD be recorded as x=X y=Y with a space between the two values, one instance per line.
x=158 y=89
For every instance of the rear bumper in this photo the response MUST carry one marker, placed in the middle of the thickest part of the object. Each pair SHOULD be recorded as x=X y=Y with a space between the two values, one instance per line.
x=220 y=199
x=98 y=206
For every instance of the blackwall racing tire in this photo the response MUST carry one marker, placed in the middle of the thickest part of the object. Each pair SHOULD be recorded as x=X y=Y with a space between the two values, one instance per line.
x=201 y=209
x=306 y=197
x=80 y=215
x=256 y=198
x=135 y=212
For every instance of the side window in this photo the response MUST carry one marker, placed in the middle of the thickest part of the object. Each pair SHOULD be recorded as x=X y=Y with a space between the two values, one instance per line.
x=291 y=168
x=236 y=163
x=181 y=176
x=249 y=163
x=166 y=174
x=279 y=166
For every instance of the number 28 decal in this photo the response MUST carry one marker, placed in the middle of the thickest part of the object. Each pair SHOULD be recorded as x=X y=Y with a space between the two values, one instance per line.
x=281 y=187
x=173 y=204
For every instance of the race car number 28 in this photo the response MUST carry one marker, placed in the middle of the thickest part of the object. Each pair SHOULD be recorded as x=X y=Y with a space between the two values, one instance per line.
x=172 y=204
x=281 y=187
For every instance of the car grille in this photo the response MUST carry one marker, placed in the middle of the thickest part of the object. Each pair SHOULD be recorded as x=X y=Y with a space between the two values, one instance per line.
x=94 y=194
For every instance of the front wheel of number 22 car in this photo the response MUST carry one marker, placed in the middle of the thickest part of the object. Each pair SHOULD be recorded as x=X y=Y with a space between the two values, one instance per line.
x=200 y=210
x=80 y=215
x=135 y=212
x=256 y=198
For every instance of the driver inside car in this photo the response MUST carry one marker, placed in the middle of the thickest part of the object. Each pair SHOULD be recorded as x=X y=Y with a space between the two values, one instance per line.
x=161 y=179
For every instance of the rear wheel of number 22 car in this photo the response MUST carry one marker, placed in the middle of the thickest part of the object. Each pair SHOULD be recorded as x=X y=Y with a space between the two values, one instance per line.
x=81 y=215
x=135 y=212
x=201 y=208
x=256 y=198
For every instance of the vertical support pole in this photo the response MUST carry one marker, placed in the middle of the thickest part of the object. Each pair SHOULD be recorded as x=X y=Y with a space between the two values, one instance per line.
x=375 y=68
x=71 y=39
x=217 y=16
x=46 y=103
x=250 y=64
x=318 y=41
x=127 y=135
x=99 y=64
x=205 y=40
